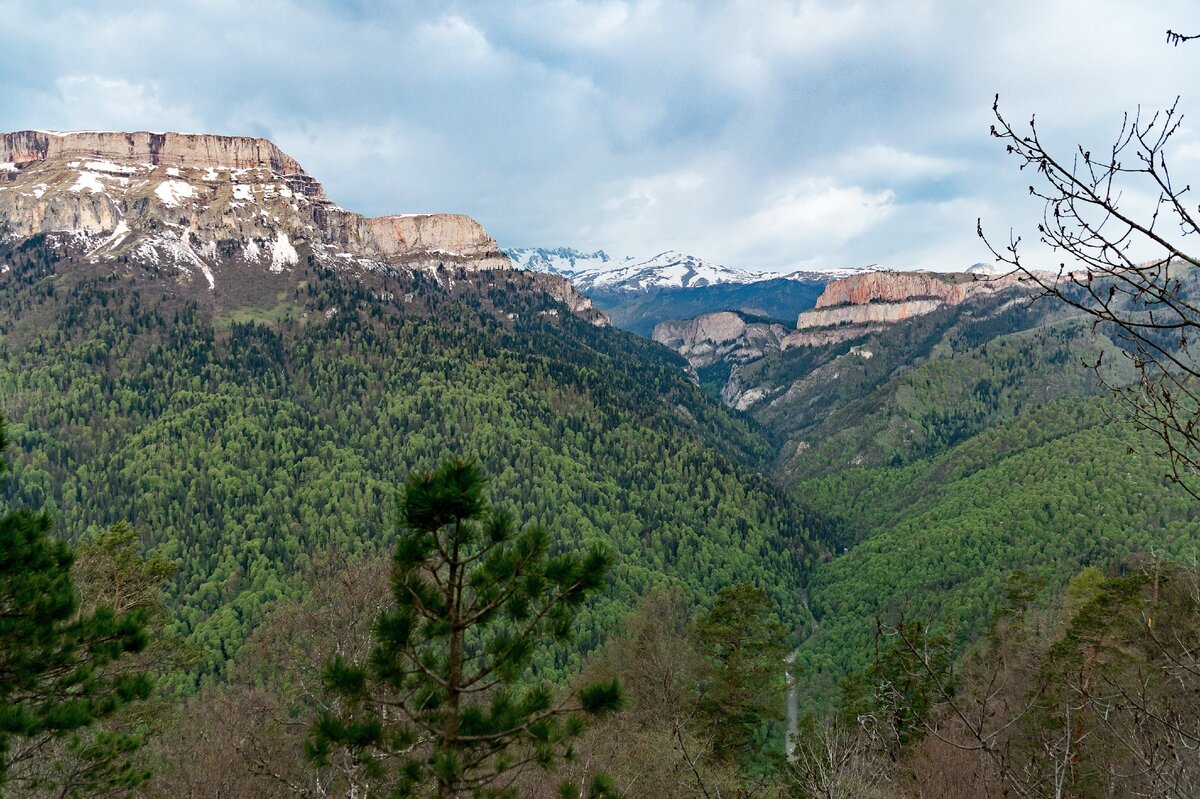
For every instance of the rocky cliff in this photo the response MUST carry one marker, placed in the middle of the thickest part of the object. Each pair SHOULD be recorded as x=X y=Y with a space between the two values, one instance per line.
x=203 y=205
x=876 y=298
x=857 y=305
x=890 y=287
x=724 y=335
x=850 y=308
x=152 y=149
x=454 y=234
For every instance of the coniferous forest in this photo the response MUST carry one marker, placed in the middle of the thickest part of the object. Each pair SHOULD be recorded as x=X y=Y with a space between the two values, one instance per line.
x=222 y=497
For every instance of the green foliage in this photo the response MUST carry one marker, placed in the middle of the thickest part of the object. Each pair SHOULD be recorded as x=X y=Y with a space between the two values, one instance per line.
x=57 y=665
x=244 y=449
x=895 y=696
x=1049 y=492
x=743 y=644
x=474 y=597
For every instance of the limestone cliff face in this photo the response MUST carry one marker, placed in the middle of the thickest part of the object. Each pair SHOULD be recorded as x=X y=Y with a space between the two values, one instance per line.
x=719 y=336
x=205 y=204
x=154 y=149
x=881 y=298
x=454 y=232
x=850 y=308
x=867 y=313
x=565 y=292
x=888 y=287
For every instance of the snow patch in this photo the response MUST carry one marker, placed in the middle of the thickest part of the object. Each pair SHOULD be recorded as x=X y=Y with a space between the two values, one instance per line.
x=242 y=192
x=40 y=189
x=283 y=254
x=8 y=166
x=191 y=254
x=109 y=166
x=251 y=250
x=118 y=235
x=172 y=192
x=179 y=251
x=173 y=171
x=90 y=181
x=209 y=250
x=211 y=174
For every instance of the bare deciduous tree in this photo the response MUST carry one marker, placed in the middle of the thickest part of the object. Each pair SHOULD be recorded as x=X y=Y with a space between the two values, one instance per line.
x=1130 y=267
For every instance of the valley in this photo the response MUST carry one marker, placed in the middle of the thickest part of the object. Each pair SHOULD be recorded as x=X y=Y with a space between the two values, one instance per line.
x=197 y=341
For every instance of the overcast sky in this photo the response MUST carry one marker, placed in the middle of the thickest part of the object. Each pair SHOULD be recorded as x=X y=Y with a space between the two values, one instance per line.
x=761 y=135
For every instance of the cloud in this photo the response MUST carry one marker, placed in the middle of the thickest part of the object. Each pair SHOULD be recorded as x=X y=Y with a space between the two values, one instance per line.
x=97 y=102
x=810 y=217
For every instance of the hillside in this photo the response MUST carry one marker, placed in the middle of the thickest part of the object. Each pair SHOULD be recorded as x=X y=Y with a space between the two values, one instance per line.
x=249 y=422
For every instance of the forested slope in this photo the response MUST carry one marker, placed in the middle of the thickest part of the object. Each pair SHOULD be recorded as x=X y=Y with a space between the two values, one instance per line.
x=243 y=436
x=951 y=450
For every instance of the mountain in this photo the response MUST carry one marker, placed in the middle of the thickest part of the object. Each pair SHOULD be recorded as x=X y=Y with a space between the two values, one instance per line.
x=848 y=308
x=190 y=202
x=668 y=269
x=194 y=338
x=638 y=294
x=947 y=429
x=559 y=261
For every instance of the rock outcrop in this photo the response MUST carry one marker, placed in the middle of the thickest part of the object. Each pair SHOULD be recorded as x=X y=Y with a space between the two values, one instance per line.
x=202 y=203
x=724 y=335
x=153 y=149
x=949 y=288
x=854 y=305
x=850 y=308
x=454 y=234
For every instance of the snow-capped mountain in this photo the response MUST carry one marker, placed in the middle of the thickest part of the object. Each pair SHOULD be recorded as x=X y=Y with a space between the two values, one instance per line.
x=206 y=208
x=666 y=270
x=563 y=261
x=598 y=271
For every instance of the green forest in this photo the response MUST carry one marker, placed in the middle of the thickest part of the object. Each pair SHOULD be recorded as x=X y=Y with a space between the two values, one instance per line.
x=229 y=496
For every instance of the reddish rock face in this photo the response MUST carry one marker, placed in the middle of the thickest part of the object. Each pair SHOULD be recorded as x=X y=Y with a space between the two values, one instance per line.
x=950 y=288
x=886 y=297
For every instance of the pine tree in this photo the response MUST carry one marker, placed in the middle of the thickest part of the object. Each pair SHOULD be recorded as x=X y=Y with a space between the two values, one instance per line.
x=743 y=644
x=445 y=696
x=56 y=671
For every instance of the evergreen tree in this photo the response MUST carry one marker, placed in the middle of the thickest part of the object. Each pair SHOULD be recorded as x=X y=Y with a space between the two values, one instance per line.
x=444 y=696
x=56 y=664
x=743 y=643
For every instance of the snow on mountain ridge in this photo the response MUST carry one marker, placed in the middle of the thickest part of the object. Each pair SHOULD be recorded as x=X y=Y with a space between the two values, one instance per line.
x=669 y=269
x=564 y=261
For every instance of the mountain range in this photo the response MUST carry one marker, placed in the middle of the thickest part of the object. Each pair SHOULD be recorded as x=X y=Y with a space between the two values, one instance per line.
x=196 y=339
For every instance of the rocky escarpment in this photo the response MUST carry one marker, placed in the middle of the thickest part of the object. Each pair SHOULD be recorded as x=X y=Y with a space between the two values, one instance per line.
x=203 y=204
x=212 y=209
x=153 y=149
x=724 y=335
x=852 y=306
x=848 y=309
x=454 y=234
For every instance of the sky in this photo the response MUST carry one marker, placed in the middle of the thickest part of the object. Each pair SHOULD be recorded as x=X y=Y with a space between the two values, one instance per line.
x=761 y=135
